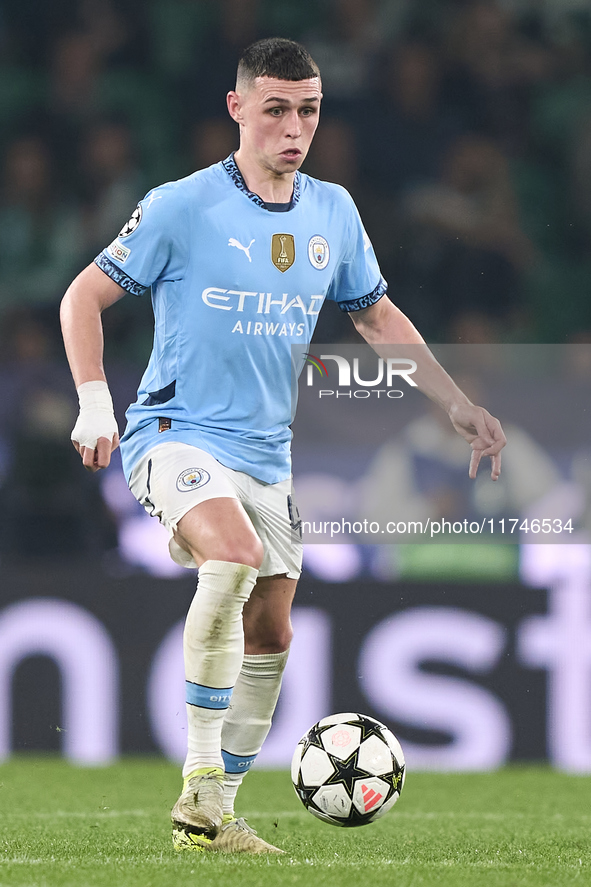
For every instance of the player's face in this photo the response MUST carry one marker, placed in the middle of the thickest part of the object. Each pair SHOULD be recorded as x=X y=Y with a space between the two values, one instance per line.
x=278 y=119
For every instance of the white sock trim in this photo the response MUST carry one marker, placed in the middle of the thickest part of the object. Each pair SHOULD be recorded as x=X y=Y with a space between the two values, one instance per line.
x=266 y=665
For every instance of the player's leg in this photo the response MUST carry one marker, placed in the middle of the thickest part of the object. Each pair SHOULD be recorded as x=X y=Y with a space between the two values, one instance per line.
x=216 y=534
x=220 y=538
x=267 y=634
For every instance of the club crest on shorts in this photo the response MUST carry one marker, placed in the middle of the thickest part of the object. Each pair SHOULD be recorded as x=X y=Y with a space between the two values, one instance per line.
x=283 y=251
x=130 y=226
x=318 y=251
x=191 y=479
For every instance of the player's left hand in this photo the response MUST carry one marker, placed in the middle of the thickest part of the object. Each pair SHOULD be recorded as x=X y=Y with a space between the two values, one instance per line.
x=484 y=434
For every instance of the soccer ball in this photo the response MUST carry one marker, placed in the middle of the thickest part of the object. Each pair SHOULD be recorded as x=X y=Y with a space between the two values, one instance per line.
x=348 y=770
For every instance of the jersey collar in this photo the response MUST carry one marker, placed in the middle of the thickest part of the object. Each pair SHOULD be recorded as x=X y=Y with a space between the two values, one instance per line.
x=231 y=168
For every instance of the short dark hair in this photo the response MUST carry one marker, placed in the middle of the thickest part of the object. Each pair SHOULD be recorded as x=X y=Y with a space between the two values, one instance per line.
x=276 y=57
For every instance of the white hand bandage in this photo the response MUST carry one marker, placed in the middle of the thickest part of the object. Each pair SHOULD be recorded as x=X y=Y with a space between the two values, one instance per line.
x=96 y=418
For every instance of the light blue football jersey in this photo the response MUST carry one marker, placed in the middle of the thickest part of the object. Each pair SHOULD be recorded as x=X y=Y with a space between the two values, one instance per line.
x=234 y=286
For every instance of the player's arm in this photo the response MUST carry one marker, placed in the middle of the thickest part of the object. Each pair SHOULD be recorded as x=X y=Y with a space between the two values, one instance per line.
x=383 y=325
x=95 y=434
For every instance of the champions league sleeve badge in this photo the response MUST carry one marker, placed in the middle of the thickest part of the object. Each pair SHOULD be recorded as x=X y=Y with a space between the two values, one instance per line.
x=318 y=252
x=130 y=226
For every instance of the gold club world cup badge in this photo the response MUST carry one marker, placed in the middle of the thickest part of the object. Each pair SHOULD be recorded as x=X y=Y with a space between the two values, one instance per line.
x=283 y=251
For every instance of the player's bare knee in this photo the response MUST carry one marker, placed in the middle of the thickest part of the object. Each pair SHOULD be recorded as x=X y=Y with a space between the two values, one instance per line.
x=273 y=639
x=282 y=640
x=252 y=558
x=250 y=553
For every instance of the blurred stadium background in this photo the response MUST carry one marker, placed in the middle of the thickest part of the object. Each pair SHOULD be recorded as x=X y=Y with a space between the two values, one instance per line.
x=463 y=131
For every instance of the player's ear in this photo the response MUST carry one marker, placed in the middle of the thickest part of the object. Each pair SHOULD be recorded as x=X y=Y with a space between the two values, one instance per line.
x=234 y=106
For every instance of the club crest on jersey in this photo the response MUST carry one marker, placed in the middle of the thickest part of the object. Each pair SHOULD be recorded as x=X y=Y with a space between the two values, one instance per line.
x=283 y=251
x=191 y=479
x=130 y=226
x=318 y=251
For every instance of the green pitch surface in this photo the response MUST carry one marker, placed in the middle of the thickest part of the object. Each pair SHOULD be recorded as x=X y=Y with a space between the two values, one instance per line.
x=62 y=826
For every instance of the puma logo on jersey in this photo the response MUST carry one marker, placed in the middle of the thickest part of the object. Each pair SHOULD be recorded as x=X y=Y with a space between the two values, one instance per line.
x=245 y=249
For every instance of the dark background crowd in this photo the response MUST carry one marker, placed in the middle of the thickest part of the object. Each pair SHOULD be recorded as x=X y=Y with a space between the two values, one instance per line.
x=462 y=128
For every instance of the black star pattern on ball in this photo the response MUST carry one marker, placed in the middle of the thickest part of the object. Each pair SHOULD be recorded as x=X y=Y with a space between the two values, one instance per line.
x=347 y=772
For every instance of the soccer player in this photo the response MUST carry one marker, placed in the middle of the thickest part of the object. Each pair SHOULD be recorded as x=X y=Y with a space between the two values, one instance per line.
x=240 y=257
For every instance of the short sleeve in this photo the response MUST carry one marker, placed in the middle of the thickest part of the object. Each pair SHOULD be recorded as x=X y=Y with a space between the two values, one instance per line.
x=357 y=282
x=152 y=245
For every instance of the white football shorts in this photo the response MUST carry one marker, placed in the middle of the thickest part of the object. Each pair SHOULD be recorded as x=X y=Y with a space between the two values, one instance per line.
x=174 y=477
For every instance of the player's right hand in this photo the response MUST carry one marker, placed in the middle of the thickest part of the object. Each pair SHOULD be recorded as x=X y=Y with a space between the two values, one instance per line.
x=99 y=455
x=95 y=434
